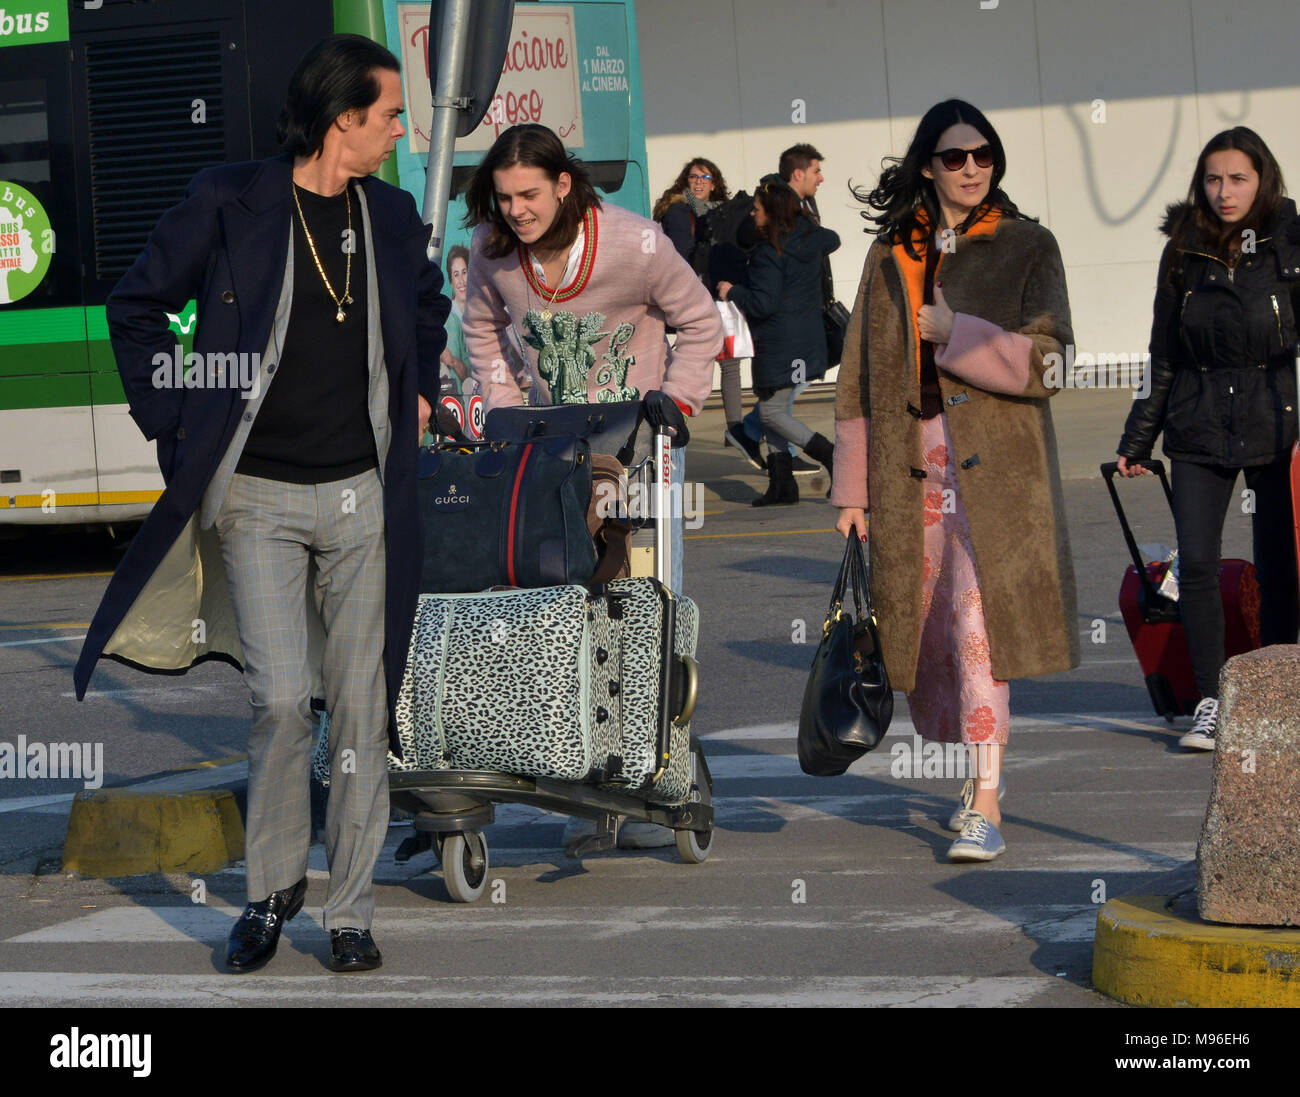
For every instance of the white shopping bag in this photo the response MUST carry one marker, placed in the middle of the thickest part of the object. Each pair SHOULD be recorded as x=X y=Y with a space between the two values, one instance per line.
x=738 y=343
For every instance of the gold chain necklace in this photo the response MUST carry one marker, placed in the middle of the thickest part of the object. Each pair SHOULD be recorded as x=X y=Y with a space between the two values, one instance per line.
x=346 y=299
x=546 y=312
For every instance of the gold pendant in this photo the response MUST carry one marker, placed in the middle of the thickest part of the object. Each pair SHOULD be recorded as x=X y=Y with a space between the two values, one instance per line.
x=339 y=316
x=546 y=316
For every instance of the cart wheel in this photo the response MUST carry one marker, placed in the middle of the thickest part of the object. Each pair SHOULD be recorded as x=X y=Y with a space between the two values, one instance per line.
x=694 y=846
x=465 y=865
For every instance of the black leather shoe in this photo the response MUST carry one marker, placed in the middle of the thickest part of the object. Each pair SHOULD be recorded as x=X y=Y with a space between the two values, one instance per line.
x=353 y=950
x=257 y=933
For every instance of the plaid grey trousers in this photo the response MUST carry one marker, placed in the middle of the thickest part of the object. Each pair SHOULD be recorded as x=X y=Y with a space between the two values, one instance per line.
x=270 y=532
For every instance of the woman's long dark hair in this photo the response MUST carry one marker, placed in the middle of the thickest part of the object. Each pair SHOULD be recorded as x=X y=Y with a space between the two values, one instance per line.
x=781 y=205
x=1195 y=221
x=717 y=193
x=531 y=146
x=902 y=191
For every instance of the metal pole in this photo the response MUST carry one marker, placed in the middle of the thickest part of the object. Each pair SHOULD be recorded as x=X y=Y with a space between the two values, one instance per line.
x=453 y=42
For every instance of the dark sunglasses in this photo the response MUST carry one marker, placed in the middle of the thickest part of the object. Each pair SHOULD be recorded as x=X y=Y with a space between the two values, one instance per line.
x=955 y=159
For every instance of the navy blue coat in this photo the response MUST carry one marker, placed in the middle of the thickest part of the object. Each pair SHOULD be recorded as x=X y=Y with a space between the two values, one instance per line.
x=225 y=246
x=783 y=305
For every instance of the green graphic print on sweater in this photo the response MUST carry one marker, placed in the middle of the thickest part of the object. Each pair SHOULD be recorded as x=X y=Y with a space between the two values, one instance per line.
x=566 y=356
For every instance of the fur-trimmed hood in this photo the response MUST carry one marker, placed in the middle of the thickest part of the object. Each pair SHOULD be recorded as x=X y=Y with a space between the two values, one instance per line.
x=1285 y=223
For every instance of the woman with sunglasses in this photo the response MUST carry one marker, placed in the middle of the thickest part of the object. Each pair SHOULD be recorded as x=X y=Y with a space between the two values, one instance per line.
x=782 y=303
x=1223 y=391
x=943 y=430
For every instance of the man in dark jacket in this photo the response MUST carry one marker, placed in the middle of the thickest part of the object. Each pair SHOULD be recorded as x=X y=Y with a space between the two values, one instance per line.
x=286 y=541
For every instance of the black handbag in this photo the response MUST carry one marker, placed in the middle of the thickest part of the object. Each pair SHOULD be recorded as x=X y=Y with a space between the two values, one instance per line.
x=503 y=514
x=835 y=318
x=606 y=428
x=848 y=703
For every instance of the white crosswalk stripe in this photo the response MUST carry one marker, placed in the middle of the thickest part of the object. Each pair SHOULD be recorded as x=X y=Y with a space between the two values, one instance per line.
x=34 y=988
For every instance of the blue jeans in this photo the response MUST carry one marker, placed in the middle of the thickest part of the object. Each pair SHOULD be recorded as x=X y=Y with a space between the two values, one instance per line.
x=754 y=428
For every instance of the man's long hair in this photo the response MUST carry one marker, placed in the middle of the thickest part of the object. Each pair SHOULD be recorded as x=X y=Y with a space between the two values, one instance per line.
x=902 y=191
x=335 y=76
x=532 y=146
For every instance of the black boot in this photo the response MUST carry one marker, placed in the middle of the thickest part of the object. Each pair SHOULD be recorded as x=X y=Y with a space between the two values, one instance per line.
x=822 y=450
x=781 y=489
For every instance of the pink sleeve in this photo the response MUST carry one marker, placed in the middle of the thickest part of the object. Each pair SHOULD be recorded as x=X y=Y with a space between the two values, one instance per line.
x=849 y=485
x=485 y=325
x=983 y=355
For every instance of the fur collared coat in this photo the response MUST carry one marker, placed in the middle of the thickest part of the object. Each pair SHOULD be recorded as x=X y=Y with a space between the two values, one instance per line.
x=1007 y=287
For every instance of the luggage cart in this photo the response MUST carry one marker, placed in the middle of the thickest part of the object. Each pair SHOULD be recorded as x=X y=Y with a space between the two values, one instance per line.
x=452 y=808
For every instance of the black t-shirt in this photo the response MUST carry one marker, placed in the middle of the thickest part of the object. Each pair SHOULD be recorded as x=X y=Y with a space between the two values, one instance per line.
x=314 y=423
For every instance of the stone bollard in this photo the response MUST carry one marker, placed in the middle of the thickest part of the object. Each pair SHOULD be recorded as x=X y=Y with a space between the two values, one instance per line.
x=1248 y=858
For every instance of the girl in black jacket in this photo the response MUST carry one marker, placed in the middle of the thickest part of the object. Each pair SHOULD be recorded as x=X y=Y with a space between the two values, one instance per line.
x=1223 y=391
x=783 y=305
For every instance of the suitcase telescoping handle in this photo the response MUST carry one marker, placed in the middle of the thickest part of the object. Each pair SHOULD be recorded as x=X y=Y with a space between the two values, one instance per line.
x=665 y=528
x=1109 y=470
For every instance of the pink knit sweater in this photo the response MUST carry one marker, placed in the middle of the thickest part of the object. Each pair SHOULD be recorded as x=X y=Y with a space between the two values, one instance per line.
x=603 y=339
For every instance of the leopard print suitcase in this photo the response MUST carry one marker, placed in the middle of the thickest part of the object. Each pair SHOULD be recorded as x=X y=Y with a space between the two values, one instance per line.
x=638 y=627
x=516 y=681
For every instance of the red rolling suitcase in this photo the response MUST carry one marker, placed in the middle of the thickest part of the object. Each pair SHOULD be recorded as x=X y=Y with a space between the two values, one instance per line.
x=1153 y=621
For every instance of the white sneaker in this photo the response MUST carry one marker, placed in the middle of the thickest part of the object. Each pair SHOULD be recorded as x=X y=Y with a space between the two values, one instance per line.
x=980 y=841
x=1205 y=721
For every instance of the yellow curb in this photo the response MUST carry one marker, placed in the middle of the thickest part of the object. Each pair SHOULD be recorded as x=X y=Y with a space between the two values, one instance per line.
x=120 y=832
x=1147 y=954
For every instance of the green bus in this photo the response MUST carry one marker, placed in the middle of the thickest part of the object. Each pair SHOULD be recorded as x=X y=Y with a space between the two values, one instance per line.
x=106 y=111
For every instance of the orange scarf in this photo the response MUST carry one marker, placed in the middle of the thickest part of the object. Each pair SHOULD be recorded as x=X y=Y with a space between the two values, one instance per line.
x=913 y=270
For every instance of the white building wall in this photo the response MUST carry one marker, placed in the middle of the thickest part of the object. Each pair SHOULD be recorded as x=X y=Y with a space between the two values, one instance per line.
x=723 y=79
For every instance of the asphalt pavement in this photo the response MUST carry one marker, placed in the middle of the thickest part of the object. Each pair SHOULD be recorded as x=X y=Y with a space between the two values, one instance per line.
x=818 y=891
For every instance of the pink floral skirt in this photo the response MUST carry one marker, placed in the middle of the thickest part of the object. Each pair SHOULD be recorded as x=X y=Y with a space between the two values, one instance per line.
x=957 y=699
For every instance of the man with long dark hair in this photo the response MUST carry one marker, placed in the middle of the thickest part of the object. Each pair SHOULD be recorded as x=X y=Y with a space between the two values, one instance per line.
x=290 y=512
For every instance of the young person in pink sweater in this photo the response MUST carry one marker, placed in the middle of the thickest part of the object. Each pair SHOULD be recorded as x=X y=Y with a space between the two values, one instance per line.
x=587 y=289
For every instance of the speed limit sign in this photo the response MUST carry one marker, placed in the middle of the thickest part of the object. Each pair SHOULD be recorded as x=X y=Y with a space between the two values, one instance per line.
x=476 y=416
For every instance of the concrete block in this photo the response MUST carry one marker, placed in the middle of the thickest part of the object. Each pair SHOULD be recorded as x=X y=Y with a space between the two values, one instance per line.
x=1248 y=858
x=120 y=832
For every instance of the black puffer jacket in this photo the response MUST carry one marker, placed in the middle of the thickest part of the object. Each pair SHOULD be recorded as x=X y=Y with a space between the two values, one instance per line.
x=1223 y=385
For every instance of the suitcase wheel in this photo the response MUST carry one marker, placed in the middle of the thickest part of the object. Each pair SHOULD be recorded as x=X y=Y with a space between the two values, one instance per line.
x=694 y=846
x=464 y=856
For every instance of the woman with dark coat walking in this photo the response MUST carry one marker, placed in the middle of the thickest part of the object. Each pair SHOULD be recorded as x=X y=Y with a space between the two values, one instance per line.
x=783 y=306
x=1223 y=391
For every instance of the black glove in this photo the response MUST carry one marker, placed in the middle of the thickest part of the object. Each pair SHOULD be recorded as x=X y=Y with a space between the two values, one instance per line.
x=661 y=411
